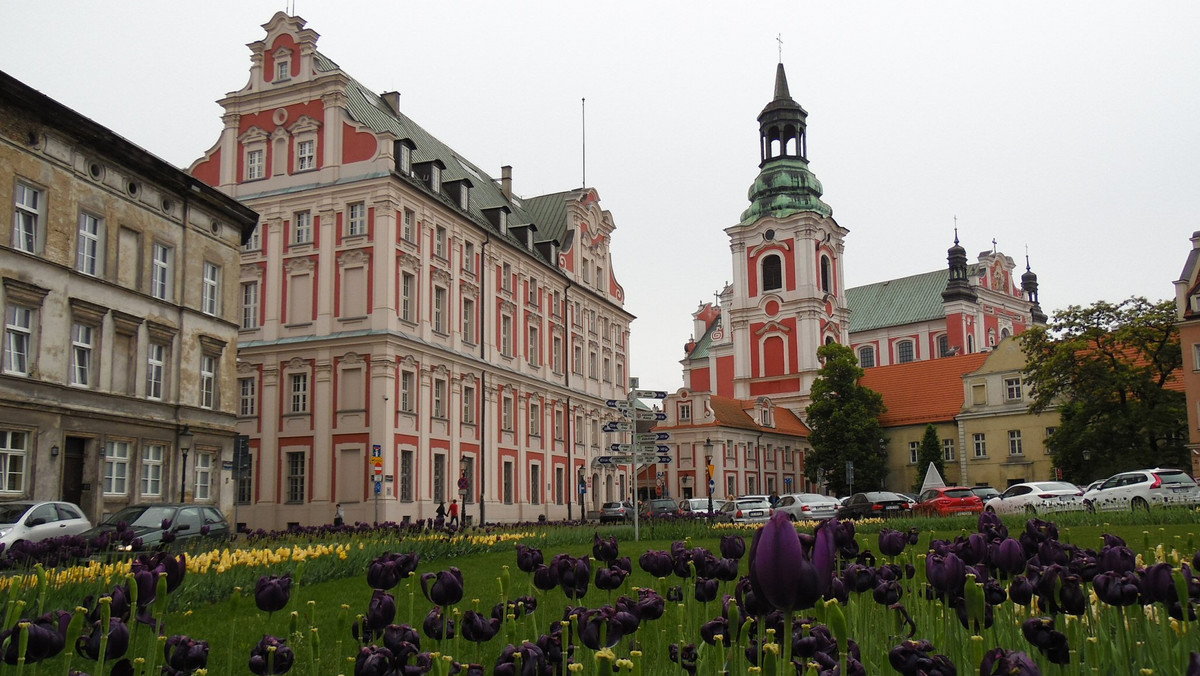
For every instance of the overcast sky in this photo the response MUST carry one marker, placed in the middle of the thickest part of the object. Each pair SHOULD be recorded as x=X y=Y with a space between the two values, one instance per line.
x=1066 y=127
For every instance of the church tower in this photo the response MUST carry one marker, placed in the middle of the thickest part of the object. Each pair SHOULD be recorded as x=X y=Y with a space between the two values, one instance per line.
x=788 y=297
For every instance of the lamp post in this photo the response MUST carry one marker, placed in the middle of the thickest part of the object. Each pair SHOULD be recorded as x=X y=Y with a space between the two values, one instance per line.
x=708 y=472
x=185 y=444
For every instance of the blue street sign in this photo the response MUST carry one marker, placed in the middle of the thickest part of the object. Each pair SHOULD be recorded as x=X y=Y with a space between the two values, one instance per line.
x=787 y=480
x=604 y=460
x=649 y=415
x=617 y=403
x=652 y=436
x=378 y=487
x=712 y=483
x=618 y=426
x=376 y=451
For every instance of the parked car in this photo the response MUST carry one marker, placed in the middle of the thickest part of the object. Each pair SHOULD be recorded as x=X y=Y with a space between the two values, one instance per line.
x=1036 y=497
x=616 y=511
x=874 y=504
x=188 y=524
x=697 y=506
x=32 y=520
x=985 y=493
x=657 y=507
x=1142 y=488
x=745 y=510
x=948 y=500
x=808 y=506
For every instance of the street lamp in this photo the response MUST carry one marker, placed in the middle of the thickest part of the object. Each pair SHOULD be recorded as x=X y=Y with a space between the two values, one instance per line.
x=185 y=444
x=708 y=471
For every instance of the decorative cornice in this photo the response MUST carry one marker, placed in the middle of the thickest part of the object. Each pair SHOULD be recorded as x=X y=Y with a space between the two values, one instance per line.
x=353 y=258
x=298 y=264
x=88 y=313
x=18 y=291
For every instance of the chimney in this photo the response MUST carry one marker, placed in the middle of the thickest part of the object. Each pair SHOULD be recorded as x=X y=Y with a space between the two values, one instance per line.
x=506 y=181
x=392 y=99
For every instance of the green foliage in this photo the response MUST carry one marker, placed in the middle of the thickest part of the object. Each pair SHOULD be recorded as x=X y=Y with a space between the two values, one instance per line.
x=931 y=451
x=844 y=417
x=1106 y=367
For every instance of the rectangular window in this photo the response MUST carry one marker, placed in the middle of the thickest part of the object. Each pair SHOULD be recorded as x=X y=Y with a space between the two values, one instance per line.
x=508 y=482
x=299 y=390
x=468 y=320
x=914 y=449
x=579 y=430
x=283 y=70
x=152 y=465
x=904 y=352
x=249 y=305
x=1014 y=443
x=469 y=257
x=439 y=398
x=685 y=412
x=160 y=271
x=357 y=222
x=81 y=355
x=621 y=375
x=535 y=353
x=88 y=248
x=730 y=485
x=439 y=477
x=592 y=365
x=407 y=233
x=559 y=476
x=27 y=218
x=577 y=362
x=203 y=474
x=533 y=293
x=408 y=289
x=558 y=424
x=506 y=335
x=439 y=309
x=244 y=475
x=208 y=381
x=1012 y=389
x=252 y=244
x=506 y=411
x=18 y=339
x=156 y=368
x=302 y=233
x=439 y=242
x=306 y=155
x=556 y=354
x=606 y=373
x=14 y=446
x=535 y=419
x=468 y=405
x=247 y=397
x=980 y=446
x=406 y=476
x=948 y=449
x=295 y=477
x=535 y=484
x=506 y=277
x=408 y=385
x=116 y=467
x=255 y=164
x=210 y=290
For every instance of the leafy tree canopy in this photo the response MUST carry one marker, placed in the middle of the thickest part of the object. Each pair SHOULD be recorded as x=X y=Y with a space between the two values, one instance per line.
x=844 y=418
x=931 y=451
x=1106 y=368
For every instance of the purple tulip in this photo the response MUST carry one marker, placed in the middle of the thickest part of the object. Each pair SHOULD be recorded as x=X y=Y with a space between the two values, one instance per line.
x=118 y=640
x=706 y=589
x=574 y=576
x=687 y=656
x=947 y=574
x=388 y=569
x=892 y=542
x=528 y=558
x=725 y=570
x=46 y=639
x=373 y=660
x=1118 y=589
x=604 y=549
x=432 y=626
x=650 y=606
x=381 y=610
x=401 y=639
x=657 y=563
x=1009 y=557
x=750 y=604
x=447 y=587
x=609 y=578
x=675 y=594
x=733 y=546
x=716 y=627
x=600 y=628
x=477 y=628
x=780 y=572
x=888 y=592
x=1040 y=633
x=859 y=578
x=147 y=586
x=533 y=661
x=832 y=536
x=185 y=654
x=1158 y=584
x=1193 y=668
x=267 y=662
x=1020 y=590
x=1001 y=662
x=271 y=593
x=545 y=578
x=913 y=658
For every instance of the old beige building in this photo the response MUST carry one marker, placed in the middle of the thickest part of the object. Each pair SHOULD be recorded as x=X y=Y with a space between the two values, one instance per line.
x=120 y=298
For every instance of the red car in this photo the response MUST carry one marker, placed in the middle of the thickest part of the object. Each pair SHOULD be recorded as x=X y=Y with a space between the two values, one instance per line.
x=949 y=500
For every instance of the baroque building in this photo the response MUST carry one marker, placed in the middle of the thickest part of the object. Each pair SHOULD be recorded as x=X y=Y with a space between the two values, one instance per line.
x=1187 y=309
x=120 y=304
x=412 y=330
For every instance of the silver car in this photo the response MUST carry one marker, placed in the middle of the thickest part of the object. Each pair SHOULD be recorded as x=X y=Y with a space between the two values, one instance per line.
x=1142 y=488
x=808 y=506
x=745 y=510
x=31 y=521
x=697 y=506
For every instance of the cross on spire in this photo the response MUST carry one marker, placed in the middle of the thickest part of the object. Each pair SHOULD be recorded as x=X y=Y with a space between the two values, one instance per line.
x=779 y=39
x=993 y=245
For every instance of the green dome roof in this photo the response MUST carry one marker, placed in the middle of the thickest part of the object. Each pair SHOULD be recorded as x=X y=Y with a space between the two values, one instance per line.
x=785 y=186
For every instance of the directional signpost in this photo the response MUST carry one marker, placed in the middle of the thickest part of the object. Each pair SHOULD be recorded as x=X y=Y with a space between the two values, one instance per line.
x=643 y=448
x=618 y=426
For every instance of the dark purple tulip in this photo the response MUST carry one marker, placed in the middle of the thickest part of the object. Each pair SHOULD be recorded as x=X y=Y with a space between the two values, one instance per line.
x=1071 y=595
x=600 y=628
x=174 y=567
x=46 y=639
x=574 y=576
x=706 y=589
x=624 y=564
x=381 y=610
x=725 y=570
x=733 y=546
x=533 y=661
x=657 y=563
x=989 y=524
x=373 y=660
x=118 y=606
x=832 y=536
x=1020 y=590
x=780 y=572
x=605 y=549
x=947 y=574
x=892 y=542
x=401 y=639
x=1118 y=589
x=859 y=578
x=545 y=578
x=387 y=570
x=1009 y=557
x=888 y=592
x=432 y=626
x=610 y=578
x=675 y=594
x=913 y=658
x=477 y=628
x=650 y=606
x=750 y=604
x=185 y=654
x=528 y=558
x=1040 y=633
x=716 y=627
x=263 y=663
x=147 y=586
x=1193 y=668
x=447 y=587
x=271 y=593
x=685 y=657
x=118 y=641
x=1001 y=662
x=1158 y=584
x=993 y=593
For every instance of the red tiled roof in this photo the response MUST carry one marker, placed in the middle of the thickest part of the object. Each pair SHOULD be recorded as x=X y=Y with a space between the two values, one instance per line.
x=922 y=391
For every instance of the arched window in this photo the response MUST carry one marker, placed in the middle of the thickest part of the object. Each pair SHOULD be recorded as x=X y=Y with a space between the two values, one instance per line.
x=772 y=273
x=829 y=340
x=904 y=352
x=866 y=357
x=826 y=275
x=1004 y=333
x=943 y=343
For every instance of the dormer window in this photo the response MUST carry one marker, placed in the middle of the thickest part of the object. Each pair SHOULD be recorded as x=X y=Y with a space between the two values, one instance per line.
x=283 y=70
x=435 y=178
x=403 y=152
x=503 y=218
x=254 y=154
x=464 y=196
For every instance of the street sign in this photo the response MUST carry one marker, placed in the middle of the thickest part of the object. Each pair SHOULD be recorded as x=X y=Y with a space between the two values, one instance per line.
x=605 y=460
x=653 y=436
x=376 y=451
x=647 y=394
x=649 y=415
x=378 y=487
x=618 y=426
x=618 y=403
x=621 y=448
x=651 y=458
x=712 y=483
x=619 y=459
x=787 y=480
x=653 y=448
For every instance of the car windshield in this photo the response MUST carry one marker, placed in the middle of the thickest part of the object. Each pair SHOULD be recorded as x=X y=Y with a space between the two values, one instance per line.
x=144 y=516
x=662 y=504
x=1175 y=478
x=959 y=493
x=11 y=512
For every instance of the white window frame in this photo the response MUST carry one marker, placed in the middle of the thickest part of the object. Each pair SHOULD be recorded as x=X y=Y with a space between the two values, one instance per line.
x=407 y=232
x=210 y=290
x=468 y=320
x=18 y=339
x=948 y=449
x=28 y=221
x=249 y=309
x=408 y=293
x=247 y=397
x=302 y=231
x=298 y=390
x=296 y=489
x=439 y=398
x=83 y=348
x=283 y=70
x=1015 y=445
x=468 y=405
x=408 y=395
x=152 y=465
x=439 y=309
x=116 y=467
x=506 y=413
x=14 y=458
x=556 y=354
x=901 y=347
x=980 y=443
x=256 y=164
x=535 y=350
x=208 y=381
x=535 y=419
x=469 y=257
x=89 y=249
x=156 y=369
x=914 y=452
x=406 y=475
x=202 y=476
x=255 y=241
x=306 y=155
x=864 y=351
x=506 y=323
x=356 y=219
x=162 y=261
x=439 y=242
x=1012 y=389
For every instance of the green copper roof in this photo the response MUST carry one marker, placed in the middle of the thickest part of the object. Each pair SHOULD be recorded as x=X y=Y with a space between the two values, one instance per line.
x=897 y=302
x=700 y=351
x=784 y=186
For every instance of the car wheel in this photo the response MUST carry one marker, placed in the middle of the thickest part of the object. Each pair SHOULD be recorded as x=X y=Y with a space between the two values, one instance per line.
x=989 y=510
x=1139 y=505
x=791 y=517
x=1030 y=509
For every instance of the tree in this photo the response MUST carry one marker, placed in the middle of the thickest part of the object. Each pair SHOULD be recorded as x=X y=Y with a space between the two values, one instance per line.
x=844 y=418
x=931 y=451
x=1106 y=367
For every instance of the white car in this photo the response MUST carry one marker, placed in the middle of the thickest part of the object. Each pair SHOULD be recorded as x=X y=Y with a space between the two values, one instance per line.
x=808 y=506
x=745 y=510
x=31 y=520
x=697 y=506
x=1142 y=488
x=1037 y=497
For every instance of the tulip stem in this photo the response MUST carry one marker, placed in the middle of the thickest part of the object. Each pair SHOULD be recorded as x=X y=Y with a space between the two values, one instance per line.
x=788 y=636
